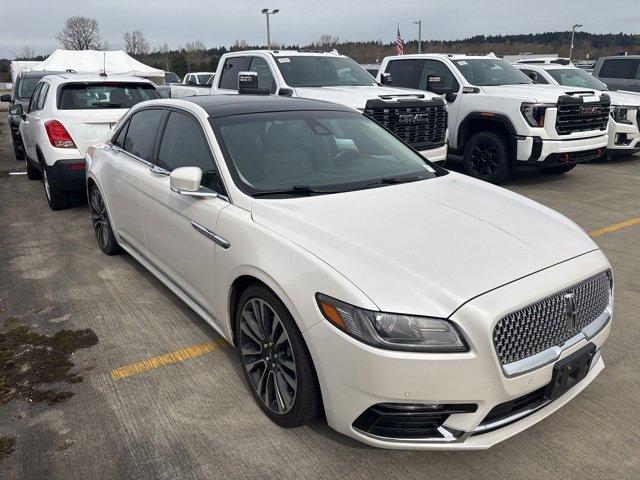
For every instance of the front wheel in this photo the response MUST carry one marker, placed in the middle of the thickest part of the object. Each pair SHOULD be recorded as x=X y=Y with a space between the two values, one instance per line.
x=101 y=224
x=559 y=170
x=486 y=156
x=19 y=152
x=275 y=360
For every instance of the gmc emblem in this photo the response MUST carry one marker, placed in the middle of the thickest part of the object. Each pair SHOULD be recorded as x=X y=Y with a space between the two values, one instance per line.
x=591 y=110
x=412 y=117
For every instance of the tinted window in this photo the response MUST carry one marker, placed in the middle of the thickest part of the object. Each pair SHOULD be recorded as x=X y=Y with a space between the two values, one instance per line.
x=142 y=131
x=42 y=96
x=184 y=145
x=434 y=67
x=322 y=71
x=534 y=76
x=233 y=66
x=34 y=98
x=625 y=68
x=405 y=73
x=104 y=95
x=26 y=86
x=118 y=140
x=204 y=78
x=574 y=77
x=486 y=72
x=265 y=79
x=170 y=77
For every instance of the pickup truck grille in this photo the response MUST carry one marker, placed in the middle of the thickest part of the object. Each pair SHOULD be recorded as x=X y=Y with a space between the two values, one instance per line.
x=421 y=124
x=543 y=324
x=582 y=117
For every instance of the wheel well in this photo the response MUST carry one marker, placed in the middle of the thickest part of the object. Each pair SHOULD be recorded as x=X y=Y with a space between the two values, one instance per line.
x=90 y=183
x=238 y=286
x=480 y=124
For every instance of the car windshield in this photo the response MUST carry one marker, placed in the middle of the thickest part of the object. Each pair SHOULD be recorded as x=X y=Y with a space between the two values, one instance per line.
x=90 y=96
x=170 y=77
x=26 y=86
x=486 y=72
x=574 y=77
x=283 y=154
x=322 y=71
x=204 y=78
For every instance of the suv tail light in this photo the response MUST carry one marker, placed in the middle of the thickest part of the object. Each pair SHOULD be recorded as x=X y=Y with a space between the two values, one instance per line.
x=58 y=135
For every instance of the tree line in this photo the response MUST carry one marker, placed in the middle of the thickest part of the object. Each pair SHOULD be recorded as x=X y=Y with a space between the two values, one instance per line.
x=82 y=33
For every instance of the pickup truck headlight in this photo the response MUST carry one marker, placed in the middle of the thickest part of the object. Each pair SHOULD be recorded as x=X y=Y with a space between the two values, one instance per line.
x=534 y=113
x=392 y=331
x=619 y=114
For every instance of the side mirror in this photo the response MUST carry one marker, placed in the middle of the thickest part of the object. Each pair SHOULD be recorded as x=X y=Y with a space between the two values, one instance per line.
x=186 y=181
x=248 y=84
x=16 y=110
x=435 y=84
x=385 y=78
x=6 y=97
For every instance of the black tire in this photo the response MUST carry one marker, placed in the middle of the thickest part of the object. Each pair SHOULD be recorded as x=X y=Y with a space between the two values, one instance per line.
x=304 y=404
x=19 y=153
x=101 y=223
x=32 y=172
x=56 y=198
x=559 y=170
x=486 y=156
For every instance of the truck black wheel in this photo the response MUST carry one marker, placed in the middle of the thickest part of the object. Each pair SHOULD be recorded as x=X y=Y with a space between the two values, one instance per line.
x=486 y=156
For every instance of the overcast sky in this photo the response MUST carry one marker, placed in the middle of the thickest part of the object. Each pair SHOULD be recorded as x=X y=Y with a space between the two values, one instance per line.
x=216 y=22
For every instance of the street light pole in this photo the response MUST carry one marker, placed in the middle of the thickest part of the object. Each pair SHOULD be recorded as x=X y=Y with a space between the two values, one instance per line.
x=419 y=23
x=573 y=33
x=266 y=14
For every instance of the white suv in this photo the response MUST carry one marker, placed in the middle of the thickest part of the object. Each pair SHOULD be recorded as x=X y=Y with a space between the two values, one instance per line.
x=338 y=261
x=624 y=137
x=66 y=114
x=499 y=120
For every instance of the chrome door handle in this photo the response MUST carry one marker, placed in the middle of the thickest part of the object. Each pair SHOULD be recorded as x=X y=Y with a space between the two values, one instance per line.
x=158 y=170
x=217 y=239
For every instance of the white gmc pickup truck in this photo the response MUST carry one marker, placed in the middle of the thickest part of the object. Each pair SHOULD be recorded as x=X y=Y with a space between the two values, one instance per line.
x=418 y=118
x=499 y=120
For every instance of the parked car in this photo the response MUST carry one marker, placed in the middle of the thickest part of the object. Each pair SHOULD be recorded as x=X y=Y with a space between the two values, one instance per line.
x=23 y=87
x=418 y=308
x=624 y=137
x=66 y=114
x=545 y=61
x=500 y=121
x=619 y=73
x=197 y=83
x=418 y=118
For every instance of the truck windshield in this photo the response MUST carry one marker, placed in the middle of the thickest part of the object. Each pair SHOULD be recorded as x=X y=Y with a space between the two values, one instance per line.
x=204 y=78
x=322 y=71
x=170 y=77
x=281 y=154
x=26 y=86
x=574 y=77
x=486 y=72
x=91 y=96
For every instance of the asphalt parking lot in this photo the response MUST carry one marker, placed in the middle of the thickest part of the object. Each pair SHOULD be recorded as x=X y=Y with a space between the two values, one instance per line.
x=151 y=392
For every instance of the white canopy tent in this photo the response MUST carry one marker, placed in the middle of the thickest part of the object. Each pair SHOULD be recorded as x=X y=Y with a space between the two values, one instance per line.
x=94 y=61
x=19 y=65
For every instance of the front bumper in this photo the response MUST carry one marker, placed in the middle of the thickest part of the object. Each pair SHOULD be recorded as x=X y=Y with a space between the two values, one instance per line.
x=438 y=154
x=536 y=152
x=354 y=376
x=624 y=138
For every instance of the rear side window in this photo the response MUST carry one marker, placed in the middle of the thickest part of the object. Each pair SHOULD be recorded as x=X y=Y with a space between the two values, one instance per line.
x=405 y=73
x=229 y=76
x=93 y=96
x=184 y=145
x=535 y=76
x=625 y=68
x=141 y=133
x=34 y=98
x=42 y=96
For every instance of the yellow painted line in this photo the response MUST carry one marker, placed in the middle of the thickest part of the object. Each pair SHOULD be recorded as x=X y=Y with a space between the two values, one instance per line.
x=166 y=359
x=615 y=227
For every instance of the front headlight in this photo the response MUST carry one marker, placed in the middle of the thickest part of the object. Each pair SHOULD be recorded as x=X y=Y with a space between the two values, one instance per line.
x=619 y=114
x=534 y=113
x=392 y=331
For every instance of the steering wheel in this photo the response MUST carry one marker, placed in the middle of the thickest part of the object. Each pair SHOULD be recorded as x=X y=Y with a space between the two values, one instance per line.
x=344 y=157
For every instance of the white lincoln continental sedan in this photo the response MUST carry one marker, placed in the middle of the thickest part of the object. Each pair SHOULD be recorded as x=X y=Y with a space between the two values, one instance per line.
x=417 y=307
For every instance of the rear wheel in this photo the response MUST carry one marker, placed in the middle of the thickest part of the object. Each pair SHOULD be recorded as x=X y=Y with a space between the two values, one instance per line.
x=32 y=172
x=559 y=170
x=486 y=156
x=275 y=360
x=56 y=198
x=101 y=224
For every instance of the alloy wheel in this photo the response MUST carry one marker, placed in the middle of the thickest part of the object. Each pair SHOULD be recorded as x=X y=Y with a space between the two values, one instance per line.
x=484 y=158
x=267 y=356
x=99 y=218
x=45 y=180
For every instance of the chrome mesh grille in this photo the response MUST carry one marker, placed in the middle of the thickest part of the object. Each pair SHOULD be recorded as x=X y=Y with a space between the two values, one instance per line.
x=543 y=324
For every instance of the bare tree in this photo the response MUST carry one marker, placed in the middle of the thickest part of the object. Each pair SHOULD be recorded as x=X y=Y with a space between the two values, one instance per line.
x=81 y=33
x=196 y=53
x=27 y=53
x=239 y=45
x=327 y=41
x=135 y=43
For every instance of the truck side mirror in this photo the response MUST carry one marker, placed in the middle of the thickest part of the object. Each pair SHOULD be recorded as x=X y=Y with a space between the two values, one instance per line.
x=435 y=84
x=385 y=78
x=248 y=84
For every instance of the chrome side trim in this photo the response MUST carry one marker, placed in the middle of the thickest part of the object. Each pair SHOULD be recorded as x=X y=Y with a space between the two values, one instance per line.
x=505 y=421
x=551 y=354
x=217 y=239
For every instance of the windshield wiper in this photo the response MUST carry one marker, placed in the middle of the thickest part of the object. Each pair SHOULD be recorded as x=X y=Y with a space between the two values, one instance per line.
x=296 y=190
x=396 y=180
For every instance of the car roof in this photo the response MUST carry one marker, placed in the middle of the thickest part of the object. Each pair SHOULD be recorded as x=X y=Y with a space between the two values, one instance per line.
x=546 y=66
x=621 y=57
x=287 y=53
x=225 y=105
x=450 y=56
x=67 y=77
x=36 y=73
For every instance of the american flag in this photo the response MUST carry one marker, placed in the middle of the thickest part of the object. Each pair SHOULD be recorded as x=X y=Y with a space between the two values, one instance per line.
x=399 y=44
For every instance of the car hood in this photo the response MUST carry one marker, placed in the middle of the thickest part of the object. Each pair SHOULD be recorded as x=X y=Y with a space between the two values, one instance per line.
x=429 y=246
x=355 y=97
x=534 y=93
x=624 y=98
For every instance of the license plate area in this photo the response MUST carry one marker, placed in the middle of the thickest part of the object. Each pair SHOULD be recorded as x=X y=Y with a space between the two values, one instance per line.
x=569 y=371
